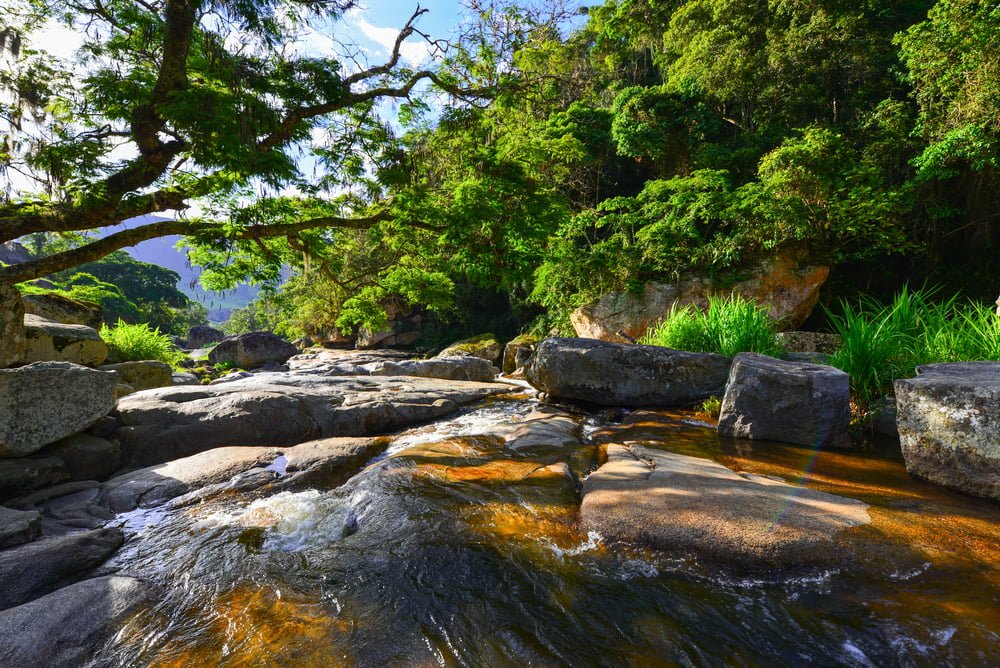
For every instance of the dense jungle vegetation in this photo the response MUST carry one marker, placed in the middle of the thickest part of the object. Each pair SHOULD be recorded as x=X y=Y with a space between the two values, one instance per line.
x=545 y=161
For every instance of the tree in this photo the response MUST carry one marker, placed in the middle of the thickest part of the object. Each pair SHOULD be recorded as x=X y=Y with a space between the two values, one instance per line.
x=207 y=104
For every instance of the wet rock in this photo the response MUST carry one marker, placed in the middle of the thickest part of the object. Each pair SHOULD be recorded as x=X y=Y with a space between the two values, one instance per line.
x=251 y=350
x=691 y=505
x=460 y=367
x=18 y=526
x=792 y=402
x=18 y=476
x=43 y=402
x=949 y=425
x=142 y=375
x=202 y=336
x=280 y=409
x=343 y=362
x=518 y=351
x=32 y=570
x=484 y=346
x=87 y=457
x=57 y=308
x=65 y=628
x=11 y=326
x=153 y=485
x=328 y=462
x=68 y=507
x=786 y=284
x=612 y=374
x=809 y=342
x=45 y=340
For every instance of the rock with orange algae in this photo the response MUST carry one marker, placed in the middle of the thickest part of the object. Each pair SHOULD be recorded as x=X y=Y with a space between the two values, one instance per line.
x=692 y=505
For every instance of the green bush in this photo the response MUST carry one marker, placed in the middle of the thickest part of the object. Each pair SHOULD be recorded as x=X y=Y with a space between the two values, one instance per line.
x=729 y=325
x=140 y=342
x=883 y=342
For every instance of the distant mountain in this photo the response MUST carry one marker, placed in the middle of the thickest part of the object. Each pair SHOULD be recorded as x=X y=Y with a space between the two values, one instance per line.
x=164 y=252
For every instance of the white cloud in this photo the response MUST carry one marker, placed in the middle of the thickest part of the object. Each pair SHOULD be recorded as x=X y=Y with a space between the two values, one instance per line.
x=413 y=52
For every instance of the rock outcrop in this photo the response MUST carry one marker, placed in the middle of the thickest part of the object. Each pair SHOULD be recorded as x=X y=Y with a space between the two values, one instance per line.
x=612 y=374
x=11 y=326
x=57 y=308
x=46 y=340
x=691 y=505
x=142 y=375
x=64 y=628
x=252 y=350
x=280 y=409
x=793 y=402
x=43 y=402
x=949 y=425
x=784 y=284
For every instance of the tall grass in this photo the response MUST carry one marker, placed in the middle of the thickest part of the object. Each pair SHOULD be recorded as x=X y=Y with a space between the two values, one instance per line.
x=140 y=342
x=730 y=325
x=883 y=342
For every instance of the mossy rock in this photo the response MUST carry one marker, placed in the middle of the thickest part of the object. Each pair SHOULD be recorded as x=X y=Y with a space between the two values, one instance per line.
x=524 y=342
x=484 y=346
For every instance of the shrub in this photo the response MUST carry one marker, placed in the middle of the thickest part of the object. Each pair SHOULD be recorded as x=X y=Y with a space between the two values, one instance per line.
x=729 y=325
x=140 y=342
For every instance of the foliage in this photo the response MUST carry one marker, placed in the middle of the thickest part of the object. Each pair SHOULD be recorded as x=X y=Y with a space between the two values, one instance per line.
x=730 y=325
x=711 y=407
x=140 y=342
x=885 y=342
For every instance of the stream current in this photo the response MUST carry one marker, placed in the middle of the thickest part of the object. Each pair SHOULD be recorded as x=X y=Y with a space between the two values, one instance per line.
x=451 y=549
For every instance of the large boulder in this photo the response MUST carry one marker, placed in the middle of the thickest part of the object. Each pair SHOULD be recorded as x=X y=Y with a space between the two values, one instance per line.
x=484 y=346
x=22 y=475
x=687 y=504
x=280 y=409
x=460 y=367
x=252 y=350
x=142 y=375
x=793 y=402
x=949 y=425
x=517 y=350
x=18 y=526
x=613 y=374
x=203 y=335
x=32 y=570
x=46 y=340
x=43 y=402
x=65 y=628
x=785 y=284
x=11 y=326
x=57 y=308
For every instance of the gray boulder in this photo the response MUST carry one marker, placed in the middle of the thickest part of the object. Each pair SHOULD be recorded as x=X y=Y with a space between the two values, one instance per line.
x=792 y=402
x=203 y=335
x=184 y=378
x=18 y=526
x=32 y=570
x=45 y=340
x=459 y=367
x=142 y=375
x=11 y=326
x=43 y=402
x=251 y=350
x=280 y=409
x=58 y=308
x=614 y=374
x=19 y=476
x=65 y=628
x=87 y=457
x=949 y=426
x=691 y=505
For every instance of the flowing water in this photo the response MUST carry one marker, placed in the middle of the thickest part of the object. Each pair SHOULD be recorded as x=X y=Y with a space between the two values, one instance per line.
x=452 y=549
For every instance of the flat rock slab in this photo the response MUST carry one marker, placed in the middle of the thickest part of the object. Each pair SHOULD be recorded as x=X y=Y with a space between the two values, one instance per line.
x=35 y=569
x=43 y=402
x=949 y=426
x=280 y=409
x=66 y=627
x=687 y=504
x=614 y=374
x=793 y=402
x=46 y=340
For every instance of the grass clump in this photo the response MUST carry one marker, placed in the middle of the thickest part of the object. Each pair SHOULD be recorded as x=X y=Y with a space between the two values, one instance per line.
x=730 y=325
x=140 y=342
x=884 y=342
x=711 y=407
